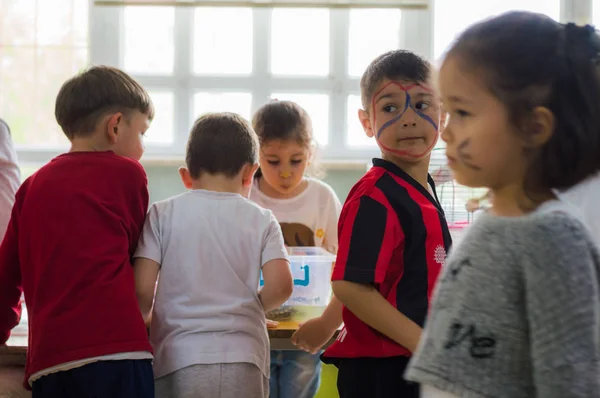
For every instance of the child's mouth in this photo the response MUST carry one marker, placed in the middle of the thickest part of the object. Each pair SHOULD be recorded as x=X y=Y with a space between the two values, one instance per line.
x=410 y=139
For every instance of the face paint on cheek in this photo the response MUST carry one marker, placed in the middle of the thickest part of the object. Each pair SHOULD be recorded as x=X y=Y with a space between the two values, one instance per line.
x=426 y=118
x=394 y=120
x=464 y=155
x=407 y=104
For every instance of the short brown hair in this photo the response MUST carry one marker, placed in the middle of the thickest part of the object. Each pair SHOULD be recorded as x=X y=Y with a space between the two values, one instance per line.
x=221 y=143
x=283 y=120
x=92 y=94
x=393 y=65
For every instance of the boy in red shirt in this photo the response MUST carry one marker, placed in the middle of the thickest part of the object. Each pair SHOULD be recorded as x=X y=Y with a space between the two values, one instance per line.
x=68 y=247
x=393 y=237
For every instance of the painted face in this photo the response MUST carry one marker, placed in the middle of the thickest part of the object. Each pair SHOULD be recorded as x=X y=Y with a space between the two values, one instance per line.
x=482 y=146
x=405 y=119
x=283 y=164
x=130 y=135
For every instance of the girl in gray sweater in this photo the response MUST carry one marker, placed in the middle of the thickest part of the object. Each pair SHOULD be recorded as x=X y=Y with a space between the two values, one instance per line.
x=516 y=311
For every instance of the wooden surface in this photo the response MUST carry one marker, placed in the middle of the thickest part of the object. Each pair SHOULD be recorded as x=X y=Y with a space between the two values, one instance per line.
x=280 y=337
x=12 y=356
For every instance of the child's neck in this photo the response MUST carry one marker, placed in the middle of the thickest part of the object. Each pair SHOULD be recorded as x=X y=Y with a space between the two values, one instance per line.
x=90 y=143
x=218 y=183
x=513 y=201
x=417 y=170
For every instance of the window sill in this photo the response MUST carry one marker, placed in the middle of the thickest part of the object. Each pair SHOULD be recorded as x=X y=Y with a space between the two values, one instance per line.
x=331 y=164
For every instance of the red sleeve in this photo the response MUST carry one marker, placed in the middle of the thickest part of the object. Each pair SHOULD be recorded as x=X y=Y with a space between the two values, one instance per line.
x=368 y=236
x=138 y=208
x=10 y=277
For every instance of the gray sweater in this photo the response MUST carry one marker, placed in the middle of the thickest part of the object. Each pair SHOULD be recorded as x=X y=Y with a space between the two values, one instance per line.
x=516 y=312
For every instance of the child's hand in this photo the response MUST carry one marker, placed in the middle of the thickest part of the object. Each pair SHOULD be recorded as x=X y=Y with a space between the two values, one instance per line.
x=312 y=335
x=272 y=324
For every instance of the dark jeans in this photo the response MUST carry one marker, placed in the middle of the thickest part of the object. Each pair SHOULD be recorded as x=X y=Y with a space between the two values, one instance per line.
x=104 y=379
x=374 y=378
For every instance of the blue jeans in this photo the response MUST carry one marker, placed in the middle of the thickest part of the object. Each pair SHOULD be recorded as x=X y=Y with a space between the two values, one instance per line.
x=294 y=374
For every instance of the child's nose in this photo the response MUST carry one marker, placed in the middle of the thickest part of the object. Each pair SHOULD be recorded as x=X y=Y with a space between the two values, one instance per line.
x=409 y=119
x=285 y=174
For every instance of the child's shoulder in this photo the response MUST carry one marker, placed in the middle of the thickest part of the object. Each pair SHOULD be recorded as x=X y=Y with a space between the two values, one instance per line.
x=367 y=186
x=127 y=165
x=320 y=188
x=554 y=227
x=555 y=220
x=189 y=202
x=102 y=163
x=256 y=210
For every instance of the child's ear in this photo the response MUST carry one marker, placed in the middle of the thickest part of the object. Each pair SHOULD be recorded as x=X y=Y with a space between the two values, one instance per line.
x=248 y=172
x=542 y=127
x=112 y=127
x=186 y=177
x=443 y=120
x=363 y=116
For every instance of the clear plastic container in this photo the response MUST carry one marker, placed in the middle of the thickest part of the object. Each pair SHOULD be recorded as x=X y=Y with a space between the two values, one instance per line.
x=311 y=270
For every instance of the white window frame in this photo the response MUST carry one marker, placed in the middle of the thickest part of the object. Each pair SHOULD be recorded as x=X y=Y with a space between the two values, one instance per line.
x=106 y=47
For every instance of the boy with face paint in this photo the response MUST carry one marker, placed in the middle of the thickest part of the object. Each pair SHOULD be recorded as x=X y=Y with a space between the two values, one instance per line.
x=393 y=236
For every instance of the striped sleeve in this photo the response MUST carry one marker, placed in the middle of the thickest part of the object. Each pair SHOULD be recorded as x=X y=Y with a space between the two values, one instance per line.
x=367 y=241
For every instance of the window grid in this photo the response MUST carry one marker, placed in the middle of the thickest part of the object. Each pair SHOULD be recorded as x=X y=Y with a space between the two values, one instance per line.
x=106 y=47
x=260 y=83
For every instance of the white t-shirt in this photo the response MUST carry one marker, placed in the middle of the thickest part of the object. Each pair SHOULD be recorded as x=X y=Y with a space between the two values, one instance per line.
x=585 y=196
x=10 y=177
x=307 y=219
x=211 y=247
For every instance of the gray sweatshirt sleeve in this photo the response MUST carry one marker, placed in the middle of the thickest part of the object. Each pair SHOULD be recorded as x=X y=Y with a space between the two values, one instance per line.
x=562 y=303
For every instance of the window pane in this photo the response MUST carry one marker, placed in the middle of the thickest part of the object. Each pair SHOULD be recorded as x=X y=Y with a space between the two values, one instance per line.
x=80 y=23
x=317 y=107
x=372 y=33
x=55 y=23
x=41 y=45
x=449 y=23
x=149 y=41
x=596 y=13
x=217 y=49
x=17 y=22
x=30 y=79
x=162 y=127
x=239 y=103
x=355 y=134
x=300 y=42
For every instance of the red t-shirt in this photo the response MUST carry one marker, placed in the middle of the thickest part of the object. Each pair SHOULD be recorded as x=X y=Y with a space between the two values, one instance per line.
x=73 y=230
x=393 y=235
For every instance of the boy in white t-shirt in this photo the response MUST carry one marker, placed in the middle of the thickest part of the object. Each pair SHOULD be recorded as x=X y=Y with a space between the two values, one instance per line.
x=209 y=245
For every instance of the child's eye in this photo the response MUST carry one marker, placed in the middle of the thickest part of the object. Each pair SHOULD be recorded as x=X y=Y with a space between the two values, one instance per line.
x=273 y=162
x=461 y=113
x=422 y=106
x=296 y=161
x=390 y=108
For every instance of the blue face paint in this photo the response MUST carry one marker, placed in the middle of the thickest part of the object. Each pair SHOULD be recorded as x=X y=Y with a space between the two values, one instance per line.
x=408 y=104
x=394 y=120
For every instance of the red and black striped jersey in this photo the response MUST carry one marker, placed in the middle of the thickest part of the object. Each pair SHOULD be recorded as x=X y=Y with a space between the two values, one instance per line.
x=393 y=235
